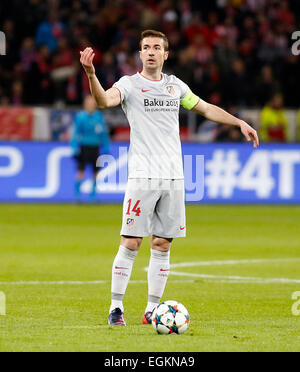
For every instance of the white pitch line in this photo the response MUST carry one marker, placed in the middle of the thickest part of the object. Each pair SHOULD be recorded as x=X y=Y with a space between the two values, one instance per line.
x=233 y=262
x=237 y=278
x=77 y=282
x=233 y=279
x=58 y=282
x=220 y=278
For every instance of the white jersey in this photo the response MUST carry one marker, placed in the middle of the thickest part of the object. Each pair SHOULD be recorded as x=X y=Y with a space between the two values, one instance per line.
x=152 y=110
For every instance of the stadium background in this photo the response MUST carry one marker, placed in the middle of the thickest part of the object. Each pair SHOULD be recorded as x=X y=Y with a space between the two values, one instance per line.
x=236 y=54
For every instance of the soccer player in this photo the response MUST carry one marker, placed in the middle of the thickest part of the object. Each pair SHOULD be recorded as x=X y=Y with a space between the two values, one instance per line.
x=90 y=132
x=154 y=199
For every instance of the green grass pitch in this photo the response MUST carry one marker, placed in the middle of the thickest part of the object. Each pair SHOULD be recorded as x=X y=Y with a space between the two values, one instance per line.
x=41 y=245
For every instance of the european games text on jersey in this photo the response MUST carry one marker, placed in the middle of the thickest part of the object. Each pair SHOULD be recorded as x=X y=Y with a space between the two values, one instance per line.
x=152 y=110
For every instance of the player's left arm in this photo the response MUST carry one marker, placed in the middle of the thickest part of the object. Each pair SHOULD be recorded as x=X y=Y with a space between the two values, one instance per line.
x=218 y=115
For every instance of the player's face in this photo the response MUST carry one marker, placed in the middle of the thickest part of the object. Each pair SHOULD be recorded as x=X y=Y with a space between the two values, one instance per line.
x=153 y=54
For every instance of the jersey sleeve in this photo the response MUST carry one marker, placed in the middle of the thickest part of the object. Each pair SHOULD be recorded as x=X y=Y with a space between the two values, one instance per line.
x=124 y=86
x=184 y=88
x=187 y=98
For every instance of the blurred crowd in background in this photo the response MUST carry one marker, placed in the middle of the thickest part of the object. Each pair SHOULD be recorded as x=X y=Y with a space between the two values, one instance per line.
x=233 y=53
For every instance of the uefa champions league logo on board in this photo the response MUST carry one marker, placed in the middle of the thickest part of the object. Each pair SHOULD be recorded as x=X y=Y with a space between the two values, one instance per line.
x=2 y=44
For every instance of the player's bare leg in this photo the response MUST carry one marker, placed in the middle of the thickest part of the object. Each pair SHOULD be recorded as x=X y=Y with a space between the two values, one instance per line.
x=121 y=272
x=158 y=273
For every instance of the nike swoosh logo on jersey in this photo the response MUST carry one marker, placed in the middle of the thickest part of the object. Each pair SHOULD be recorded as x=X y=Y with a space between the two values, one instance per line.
x=145 y=90
x=121 y=268
x=182 y=228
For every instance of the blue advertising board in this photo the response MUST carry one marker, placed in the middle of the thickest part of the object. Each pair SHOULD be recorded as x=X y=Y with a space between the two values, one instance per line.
x=214 y=173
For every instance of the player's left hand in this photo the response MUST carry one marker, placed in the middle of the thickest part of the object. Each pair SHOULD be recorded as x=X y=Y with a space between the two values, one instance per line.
x=249 y=133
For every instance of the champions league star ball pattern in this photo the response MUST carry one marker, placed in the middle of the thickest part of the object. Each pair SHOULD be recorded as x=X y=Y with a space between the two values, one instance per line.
x=170 y=317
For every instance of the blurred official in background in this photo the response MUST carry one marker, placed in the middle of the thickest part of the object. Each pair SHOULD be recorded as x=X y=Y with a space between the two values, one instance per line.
x=274 y=120
x=90 y=134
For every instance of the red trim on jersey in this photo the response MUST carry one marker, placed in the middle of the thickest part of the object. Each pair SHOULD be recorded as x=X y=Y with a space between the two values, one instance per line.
x=140 y=72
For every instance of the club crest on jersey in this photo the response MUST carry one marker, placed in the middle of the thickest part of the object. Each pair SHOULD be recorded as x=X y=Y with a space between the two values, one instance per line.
x=170 y=89
x=130 y=222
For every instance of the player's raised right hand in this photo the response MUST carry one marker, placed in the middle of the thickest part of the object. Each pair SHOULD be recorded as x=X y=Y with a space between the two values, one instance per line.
x=86 y=59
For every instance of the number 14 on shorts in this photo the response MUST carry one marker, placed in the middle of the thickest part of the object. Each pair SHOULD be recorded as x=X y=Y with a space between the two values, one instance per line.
x=136 y=209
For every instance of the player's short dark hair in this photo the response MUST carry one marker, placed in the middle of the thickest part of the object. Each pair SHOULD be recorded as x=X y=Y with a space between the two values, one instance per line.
x=153 y=33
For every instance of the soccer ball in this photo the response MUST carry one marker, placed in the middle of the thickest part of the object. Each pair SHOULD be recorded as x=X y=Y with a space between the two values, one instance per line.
x=170 y=317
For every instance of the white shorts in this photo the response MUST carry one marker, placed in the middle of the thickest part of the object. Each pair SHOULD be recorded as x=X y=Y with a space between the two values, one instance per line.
x=154 y=207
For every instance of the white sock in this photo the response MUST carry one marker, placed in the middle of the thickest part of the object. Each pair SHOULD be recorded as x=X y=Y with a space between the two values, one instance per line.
x=121 y=272
x=153 y=302
x=158 y=273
